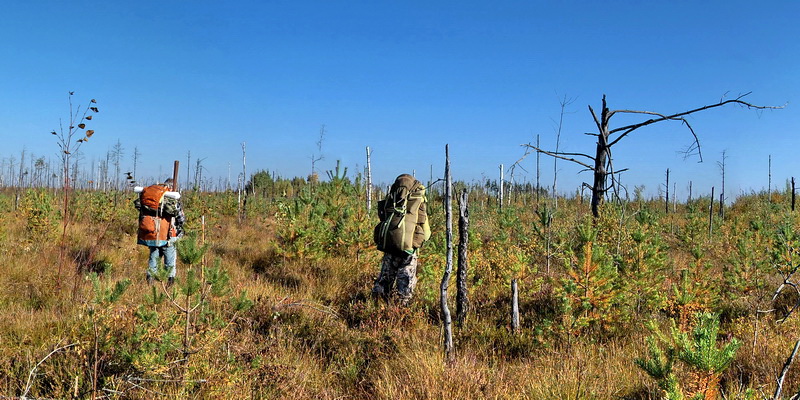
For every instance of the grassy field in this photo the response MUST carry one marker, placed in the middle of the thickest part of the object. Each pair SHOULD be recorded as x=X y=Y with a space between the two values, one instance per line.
x=278 y=305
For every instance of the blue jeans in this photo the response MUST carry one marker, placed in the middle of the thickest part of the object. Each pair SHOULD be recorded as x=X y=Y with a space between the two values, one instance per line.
x=169 y=254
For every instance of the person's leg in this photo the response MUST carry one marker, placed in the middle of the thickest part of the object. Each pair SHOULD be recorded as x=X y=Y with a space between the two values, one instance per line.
x=385 y=280
x=170 y=257
x=406 y=268
x=152 y=263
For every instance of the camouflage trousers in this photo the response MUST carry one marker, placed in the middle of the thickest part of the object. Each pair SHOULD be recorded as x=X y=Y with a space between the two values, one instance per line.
x=400 y=270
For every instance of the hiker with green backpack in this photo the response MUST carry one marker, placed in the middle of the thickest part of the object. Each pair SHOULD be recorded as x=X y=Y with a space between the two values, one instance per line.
x=161 y=221
x=402 y=230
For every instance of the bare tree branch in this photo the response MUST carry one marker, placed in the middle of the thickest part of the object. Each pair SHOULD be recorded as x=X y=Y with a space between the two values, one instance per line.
x=596 y=121
x=564 y=156
x=678 y=116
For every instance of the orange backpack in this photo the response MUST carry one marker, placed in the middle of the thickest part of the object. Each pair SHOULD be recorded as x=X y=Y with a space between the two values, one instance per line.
x=151 y=197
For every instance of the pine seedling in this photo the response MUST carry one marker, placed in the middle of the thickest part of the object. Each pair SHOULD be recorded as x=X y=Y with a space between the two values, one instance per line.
x=699 y=352
x=189 y=252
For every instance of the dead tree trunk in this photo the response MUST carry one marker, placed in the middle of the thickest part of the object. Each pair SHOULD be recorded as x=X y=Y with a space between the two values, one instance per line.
x=502 y=179
x=445 y=311
x=600 y=157
x=711 y=214
x=721 y=165
x=462 y=302
x=514 y=306
x=666 y=199
x=537 y=172
x=769 y=179
x=369 y=182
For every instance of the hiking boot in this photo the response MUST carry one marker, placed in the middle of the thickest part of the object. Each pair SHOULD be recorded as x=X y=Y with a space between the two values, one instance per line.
x=149 y=279
x=170 y=281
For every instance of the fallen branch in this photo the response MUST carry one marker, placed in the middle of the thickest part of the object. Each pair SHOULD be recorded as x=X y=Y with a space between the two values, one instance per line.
x=785 y=370
x=32 y=372
x=301 y=303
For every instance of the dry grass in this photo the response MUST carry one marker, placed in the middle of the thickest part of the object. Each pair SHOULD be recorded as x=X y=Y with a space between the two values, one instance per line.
x=314 y=332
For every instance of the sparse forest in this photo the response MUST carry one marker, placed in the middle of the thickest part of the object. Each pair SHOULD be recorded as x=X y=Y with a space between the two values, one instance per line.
x=273 y=298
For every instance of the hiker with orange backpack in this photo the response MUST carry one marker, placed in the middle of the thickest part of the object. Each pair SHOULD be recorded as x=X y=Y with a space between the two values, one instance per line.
x=161 y=220
x=402 y=230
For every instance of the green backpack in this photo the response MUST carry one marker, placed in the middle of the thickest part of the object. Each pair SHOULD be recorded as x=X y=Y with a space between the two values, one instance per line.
x=403 y=225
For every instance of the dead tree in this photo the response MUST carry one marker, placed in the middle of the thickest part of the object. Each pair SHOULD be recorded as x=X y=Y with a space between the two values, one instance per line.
x=514 y=306
x=721 y=165
x=462 y=302
x=445 y=311
x=666 y=200
x=500 y=193
x=711 y=214
x=369 y=182
x=601 y=163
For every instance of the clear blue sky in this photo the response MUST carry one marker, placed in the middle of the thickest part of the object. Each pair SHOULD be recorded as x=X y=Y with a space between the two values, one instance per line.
x=406 y=78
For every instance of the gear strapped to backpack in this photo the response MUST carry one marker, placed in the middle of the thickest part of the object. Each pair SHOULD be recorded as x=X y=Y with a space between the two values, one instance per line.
x=403 y=225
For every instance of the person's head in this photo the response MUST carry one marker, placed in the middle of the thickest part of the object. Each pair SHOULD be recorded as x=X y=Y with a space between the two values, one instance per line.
x=168 y=183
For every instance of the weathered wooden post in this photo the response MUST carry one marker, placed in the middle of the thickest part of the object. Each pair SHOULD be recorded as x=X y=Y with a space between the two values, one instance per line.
x=445 y=311
x=175 y=176
x=514 y=306
x=792 y=193
x=462 y=302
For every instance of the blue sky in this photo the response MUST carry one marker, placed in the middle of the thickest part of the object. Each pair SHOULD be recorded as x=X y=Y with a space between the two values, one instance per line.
x=406 y=78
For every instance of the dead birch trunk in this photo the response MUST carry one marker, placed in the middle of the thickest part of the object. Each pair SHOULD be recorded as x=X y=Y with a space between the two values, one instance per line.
x=462 y=302
x=243 y=211
x=369 y=182
x=501 y=187
x=514 y=306
x=446 y=320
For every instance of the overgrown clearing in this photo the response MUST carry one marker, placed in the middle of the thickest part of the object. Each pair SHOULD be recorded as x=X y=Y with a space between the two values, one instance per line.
x=591 y=293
